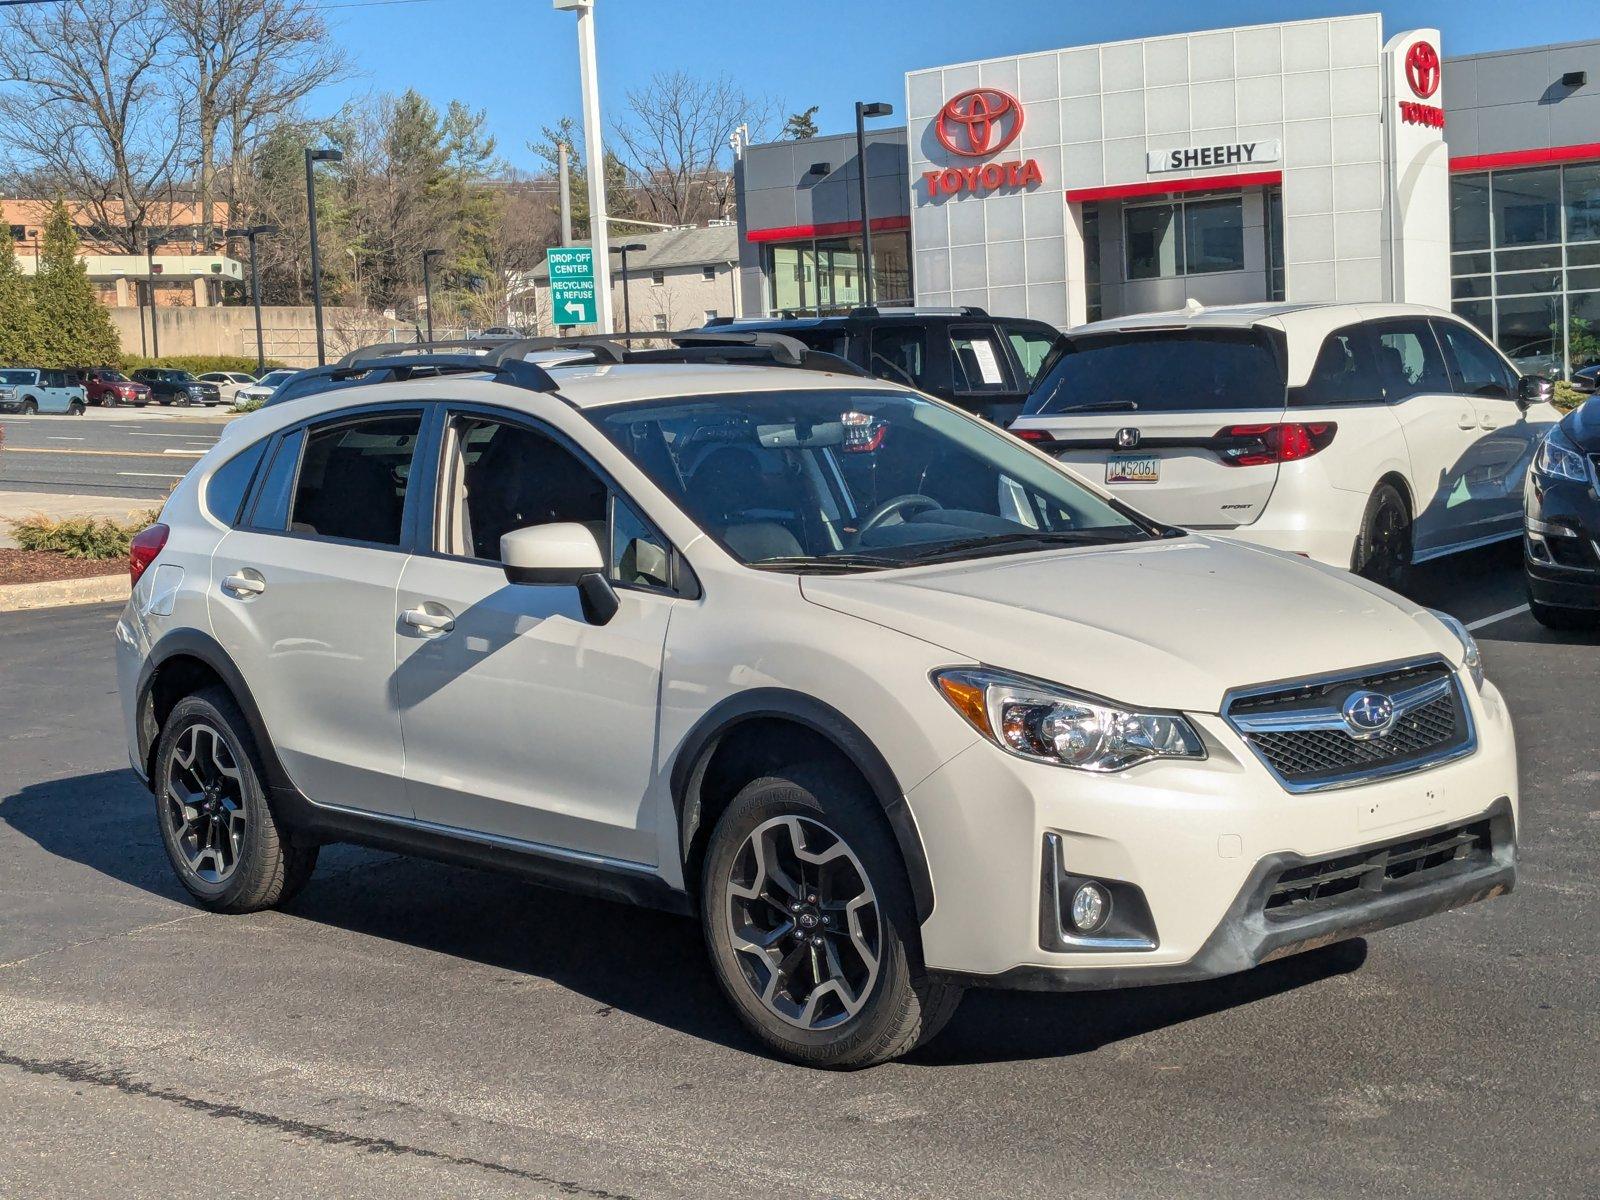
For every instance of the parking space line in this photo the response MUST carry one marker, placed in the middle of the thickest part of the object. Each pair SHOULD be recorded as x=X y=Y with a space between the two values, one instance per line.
x=148 y=475
x=1492 y=618
x=103 y=453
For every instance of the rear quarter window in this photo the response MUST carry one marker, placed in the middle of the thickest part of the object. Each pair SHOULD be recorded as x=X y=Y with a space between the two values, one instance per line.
x=230 y=483
x=1163 y=371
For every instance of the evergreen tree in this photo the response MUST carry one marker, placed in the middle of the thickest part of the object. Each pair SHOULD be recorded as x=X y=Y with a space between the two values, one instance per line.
x=801 y=126
x=19 y=323
x=74 y=327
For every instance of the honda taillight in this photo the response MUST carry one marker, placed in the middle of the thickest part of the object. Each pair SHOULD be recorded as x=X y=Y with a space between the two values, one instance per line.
x=144 y=547
x=1258 y=445
x=1034 y=435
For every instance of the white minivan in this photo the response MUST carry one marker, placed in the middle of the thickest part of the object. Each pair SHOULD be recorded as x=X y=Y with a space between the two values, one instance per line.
x=1366 y=436
x=29 y=390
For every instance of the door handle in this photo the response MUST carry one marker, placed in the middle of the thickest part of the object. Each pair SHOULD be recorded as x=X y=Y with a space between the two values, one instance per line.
x=1467 y=420
x=244 y=583
x=424 y=621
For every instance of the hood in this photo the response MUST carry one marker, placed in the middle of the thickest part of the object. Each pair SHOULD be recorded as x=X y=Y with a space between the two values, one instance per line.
x=1171 y=624
x=1582 y=426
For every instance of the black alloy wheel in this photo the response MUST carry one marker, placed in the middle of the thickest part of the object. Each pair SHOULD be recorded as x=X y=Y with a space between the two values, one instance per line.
x=1383 y=545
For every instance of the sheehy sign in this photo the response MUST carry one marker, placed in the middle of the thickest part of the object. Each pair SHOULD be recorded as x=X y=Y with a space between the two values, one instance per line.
x=1235 y=154
x=976 y=124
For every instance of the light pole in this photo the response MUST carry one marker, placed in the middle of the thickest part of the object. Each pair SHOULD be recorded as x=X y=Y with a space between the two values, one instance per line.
x=150 y=244
x=313 y=155
x=863 y=111
x=594 y=149
x=251 y=233
x=427 y=285
x=625 y=249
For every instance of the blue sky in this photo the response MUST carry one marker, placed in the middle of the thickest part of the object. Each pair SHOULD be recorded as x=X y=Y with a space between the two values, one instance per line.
x=517 y=58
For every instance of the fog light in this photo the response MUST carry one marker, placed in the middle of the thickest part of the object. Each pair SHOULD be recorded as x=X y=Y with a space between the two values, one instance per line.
x=1091 y=905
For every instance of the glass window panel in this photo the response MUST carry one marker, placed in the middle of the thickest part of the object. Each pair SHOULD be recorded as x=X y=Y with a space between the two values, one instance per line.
x=1467 y=287
x=1151 y=234
x=1469 y=212
x=1527 y=260
x=1344 y=373
x=1528 y=331
x=1213 y=233
x=1583 y=329
x=639 y=557
x=899 y=353
x=977 y=361
x=1476 y=312
x=513 y=477
x=1479 y=369
x=1583 y=256
x=1525 y=282
x=1408 y=359
x=1527 y=207
x=788 y=281
x=1091 y=245
x=352 y=481
x=1469 y=264
x=1583 y=202
x=1583 y=279
x=891 y=268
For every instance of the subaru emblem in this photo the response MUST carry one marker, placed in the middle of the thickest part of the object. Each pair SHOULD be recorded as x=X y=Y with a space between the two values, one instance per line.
x=1368 y=714
x=1127 y=438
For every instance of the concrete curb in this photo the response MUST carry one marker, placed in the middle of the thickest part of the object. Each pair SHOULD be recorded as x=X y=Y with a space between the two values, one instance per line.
x=58 y=593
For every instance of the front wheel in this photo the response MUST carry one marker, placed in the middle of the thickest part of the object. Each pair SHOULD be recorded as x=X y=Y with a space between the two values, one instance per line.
x=1383 y=545
x=810 y=924
x=30 y=407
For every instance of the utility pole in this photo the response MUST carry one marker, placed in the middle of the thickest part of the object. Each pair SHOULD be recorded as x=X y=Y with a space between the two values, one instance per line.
x=564 y=171
x=150 y=244
x=314 y=156
x=863 y=111
x=594 y=143
x=250 y=234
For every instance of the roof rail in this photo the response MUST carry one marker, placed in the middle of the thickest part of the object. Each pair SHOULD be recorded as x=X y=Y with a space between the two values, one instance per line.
x=873 y=310
x=727 y=344
x=503 y=358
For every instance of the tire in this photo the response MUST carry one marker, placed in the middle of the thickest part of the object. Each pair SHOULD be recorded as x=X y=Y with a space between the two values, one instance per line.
x=30 y=407
x=75 y=409
x=886 y=1007
x=1383 y=545
x=206 y=741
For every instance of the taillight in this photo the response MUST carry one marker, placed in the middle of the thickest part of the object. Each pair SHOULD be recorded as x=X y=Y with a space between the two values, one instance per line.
x=1258 y=445
x=1034 y=435
x=144 y=547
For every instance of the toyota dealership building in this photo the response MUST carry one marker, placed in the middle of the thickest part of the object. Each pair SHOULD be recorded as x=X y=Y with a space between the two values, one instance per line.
x=1312 y=160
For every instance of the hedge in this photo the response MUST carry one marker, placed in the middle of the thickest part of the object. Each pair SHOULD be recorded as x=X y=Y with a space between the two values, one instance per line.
x=197 y=364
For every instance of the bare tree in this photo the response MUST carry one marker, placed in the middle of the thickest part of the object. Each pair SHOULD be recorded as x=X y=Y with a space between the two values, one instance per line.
x=248 y=63
x=87 y=109
x=674 y=137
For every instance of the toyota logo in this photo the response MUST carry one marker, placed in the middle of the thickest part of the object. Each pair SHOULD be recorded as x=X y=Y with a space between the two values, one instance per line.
x=978 y=122
x=1422 y=69
x=1368 y=714
x=1127 y=439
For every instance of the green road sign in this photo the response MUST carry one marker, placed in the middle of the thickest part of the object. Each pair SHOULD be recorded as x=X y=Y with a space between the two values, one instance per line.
x=572 y=294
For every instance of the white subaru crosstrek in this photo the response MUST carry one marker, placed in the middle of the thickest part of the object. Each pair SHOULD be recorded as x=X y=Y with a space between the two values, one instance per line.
x=888 y=700
x=1365 y=436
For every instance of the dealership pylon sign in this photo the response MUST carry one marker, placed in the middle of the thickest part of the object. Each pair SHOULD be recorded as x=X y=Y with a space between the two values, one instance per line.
x=572 y=287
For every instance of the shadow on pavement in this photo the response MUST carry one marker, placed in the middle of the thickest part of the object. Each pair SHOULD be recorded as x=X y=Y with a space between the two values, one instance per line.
x=618 y=956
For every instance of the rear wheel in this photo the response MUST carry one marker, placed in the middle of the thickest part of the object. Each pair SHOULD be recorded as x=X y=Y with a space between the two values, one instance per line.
x=221 y=837
x=1383 y=545
x=811 y=927
x=75 y=409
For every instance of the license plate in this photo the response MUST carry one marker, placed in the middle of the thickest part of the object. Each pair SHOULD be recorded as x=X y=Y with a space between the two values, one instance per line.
x=1133 y=468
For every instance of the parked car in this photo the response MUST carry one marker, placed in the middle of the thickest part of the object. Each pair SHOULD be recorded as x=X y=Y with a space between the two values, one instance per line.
x=1586 y=379
x=886 y=699
x=109 y=387
x=1366 y=436
x=263 y=388
x=29 y=390
x=171 y=386
x=1561 y=528
x=983 y=364
x=228 y=383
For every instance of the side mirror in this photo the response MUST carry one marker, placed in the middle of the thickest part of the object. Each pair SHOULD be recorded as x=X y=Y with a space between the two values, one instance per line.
x=562 y=554
x=1534 y=389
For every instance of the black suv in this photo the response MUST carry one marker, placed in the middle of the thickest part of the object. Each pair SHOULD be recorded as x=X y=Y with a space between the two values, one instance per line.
x=170 y=386
x=984 y=364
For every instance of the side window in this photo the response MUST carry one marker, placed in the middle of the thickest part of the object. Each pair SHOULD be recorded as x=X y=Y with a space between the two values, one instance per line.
x=639 y=555
x=1032 y=347
x=976 y=363
x=1344 y=372
x=271 y=510
x=1477 y=368
x=231 y=481
x=899 y=354
x=352 y=479
x=1408 y=358
x=508 y=477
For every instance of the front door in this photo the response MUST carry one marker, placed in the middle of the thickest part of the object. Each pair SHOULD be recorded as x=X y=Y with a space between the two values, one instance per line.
x=302 y=599
x=521 y=719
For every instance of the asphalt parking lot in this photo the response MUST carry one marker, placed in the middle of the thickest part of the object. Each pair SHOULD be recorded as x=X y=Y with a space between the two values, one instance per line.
x=408 y=1028
x=133 y=452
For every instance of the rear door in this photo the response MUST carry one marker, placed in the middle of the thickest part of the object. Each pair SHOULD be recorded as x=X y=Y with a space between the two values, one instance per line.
x=1175 y=422
x=54 y=395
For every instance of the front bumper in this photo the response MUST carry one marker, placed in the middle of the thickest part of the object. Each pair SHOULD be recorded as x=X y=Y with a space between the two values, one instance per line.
x=1561 y=542
x=1197 y=842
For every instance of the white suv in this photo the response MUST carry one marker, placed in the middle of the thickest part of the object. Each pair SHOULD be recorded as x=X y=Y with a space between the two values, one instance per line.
x=884 y=697
x=1366 y=436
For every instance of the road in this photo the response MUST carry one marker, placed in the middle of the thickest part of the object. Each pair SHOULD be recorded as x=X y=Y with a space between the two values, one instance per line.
x=138 y=453
x=409 y=1028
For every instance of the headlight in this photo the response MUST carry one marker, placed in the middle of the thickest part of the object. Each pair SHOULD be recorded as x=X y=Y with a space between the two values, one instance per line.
x=1471 y=659
x=1049 y=724
x=1558 y=458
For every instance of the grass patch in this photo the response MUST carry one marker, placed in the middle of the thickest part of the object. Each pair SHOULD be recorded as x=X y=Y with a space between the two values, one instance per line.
x=79 y=537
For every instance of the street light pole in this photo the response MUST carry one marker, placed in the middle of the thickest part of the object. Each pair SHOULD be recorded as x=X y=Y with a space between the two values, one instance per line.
x=627 y=311
x=315 y=156
x=594 y=148
x=863 y=111
x=150 y=244
x=427 y=285
x=250 y=234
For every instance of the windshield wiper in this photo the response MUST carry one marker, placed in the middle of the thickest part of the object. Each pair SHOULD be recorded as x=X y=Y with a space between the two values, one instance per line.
x=829 y=562
x=1000 y=543
x=1101 y=406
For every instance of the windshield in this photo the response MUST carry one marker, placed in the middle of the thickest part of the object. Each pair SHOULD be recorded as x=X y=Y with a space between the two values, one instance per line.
x=16 y=376
x=273 y=378
x=858 y=480
x=1162 y=371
